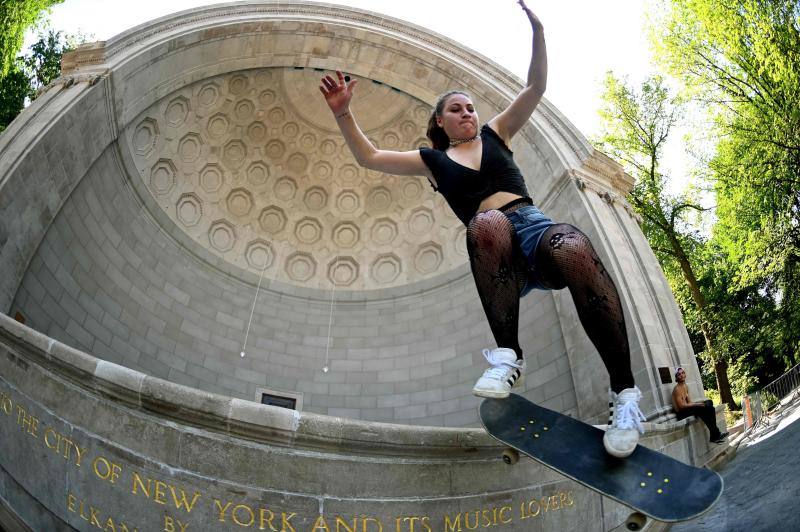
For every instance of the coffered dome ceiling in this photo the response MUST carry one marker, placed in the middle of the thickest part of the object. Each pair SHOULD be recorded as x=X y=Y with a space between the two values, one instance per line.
x=250 y=165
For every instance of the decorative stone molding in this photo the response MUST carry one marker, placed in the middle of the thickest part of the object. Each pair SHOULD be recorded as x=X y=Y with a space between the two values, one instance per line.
x=65 y=81
x=605 y=177
x=133 y=439
x=85 y=55
x=252 y=156
x=235 y=417
x=207 y=157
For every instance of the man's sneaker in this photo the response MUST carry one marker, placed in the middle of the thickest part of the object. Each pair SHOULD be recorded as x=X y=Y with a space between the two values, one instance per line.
x=505 y=371
x=720 y=438
x=624 y=422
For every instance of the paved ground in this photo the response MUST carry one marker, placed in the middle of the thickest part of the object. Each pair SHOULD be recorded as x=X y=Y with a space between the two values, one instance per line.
x=762 y=483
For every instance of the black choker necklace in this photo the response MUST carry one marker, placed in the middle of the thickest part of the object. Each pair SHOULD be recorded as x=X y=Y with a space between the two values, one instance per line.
x=462 y=141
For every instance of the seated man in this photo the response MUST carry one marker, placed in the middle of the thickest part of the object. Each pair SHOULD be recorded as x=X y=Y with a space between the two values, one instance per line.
x=685 y=408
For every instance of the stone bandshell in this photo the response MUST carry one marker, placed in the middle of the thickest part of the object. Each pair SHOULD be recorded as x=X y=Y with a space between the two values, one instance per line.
x=206 y=55
x=172 y=308
x=272 y=121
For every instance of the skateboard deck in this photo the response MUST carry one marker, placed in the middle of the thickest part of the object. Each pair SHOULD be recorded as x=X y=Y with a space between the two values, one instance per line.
x=656 y=485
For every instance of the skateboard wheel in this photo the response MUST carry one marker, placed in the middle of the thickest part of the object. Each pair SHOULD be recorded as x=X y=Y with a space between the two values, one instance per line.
x=510 y=456
x=636 y=521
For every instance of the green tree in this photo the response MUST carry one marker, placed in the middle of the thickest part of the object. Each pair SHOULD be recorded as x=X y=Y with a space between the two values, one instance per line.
x=741 y=58
x=16 y=16
x=33 y=71
x=636 y=126
x=15 y=88
x=43 y=63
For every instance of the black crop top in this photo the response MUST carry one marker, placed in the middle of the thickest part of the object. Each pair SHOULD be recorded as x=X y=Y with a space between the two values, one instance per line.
x=465 y=188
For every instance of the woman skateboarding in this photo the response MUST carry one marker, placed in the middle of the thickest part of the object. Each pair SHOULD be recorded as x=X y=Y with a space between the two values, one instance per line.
x=513 y=248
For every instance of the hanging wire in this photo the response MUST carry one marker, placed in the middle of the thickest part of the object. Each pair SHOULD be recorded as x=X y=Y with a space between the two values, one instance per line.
x=325 y=368
x=252 y=310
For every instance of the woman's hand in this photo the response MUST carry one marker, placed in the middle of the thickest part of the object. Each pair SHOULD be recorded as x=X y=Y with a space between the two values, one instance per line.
x=514 y=117
x=535 y=22
x=337 y=94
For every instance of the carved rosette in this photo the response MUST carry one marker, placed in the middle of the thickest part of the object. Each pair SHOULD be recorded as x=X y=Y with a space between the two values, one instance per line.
x=250 y=166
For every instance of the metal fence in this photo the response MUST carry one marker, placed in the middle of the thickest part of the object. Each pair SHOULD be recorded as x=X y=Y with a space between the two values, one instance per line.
x=780 y=392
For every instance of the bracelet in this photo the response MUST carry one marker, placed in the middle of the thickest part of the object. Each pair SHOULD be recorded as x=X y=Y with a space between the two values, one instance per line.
x=346 y=113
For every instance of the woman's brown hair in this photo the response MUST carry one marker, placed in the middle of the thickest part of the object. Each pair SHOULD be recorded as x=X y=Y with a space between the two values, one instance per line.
x=435 y=132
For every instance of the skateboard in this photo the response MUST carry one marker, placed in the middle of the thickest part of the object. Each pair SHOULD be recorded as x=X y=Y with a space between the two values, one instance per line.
x=652 y=483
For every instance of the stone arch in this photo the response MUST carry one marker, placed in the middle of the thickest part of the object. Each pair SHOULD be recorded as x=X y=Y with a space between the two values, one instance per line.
x=137 y=223
x=100 y=128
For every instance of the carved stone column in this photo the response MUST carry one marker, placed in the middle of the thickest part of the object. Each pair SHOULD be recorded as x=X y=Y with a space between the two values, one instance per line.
x=593 y=197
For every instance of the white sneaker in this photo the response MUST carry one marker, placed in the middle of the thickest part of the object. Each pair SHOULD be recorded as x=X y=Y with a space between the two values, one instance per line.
x=505 y=371
x=624 y=423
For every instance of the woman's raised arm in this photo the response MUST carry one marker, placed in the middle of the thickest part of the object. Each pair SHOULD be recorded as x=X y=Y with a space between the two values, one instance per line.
x=338 y=95
x=520 y=110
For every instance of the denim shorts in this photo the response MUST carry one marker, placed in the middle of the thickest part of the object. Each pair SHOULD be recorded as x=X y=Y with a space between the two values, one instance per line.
x=530 y=224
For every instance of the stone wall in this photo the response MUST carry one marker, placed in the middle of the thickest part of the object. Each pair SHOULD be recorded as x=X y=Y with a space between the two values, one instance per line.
x=86 y=440
x=128 y=269
x=168 y=302
x=106 y=279
x=139 y=268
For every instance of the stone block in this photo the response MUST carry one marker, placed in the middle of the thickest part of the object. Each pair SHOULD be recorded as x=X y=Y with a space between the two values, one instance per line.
x=71 y=307
x=248 y=375
x=410 y=412
x=408 y=386
x=66 y=281
x=367 y=377
x=395 y=375
x=79 y=336
x=131 y=257
x=444 y=408
x=346 y=365
x=429 y=370
x=194 y=330
x=97 y=330
x=118 y=278
x=184 y=379
x=353 y=413
x=558 y=386
x=378 y=364
x=35 y=288
x=217 y=365
x=152 y=366
x=394 y=401
x=360 y=402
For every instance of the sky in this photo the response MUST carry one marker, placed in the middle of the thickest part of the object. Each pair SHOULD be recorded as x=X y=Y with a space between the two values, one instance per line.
x=585 y=38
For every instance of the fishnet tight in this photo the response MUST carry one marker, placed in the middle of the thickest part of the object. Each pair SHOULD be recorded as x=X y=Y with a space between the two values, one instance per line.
x=565 y=258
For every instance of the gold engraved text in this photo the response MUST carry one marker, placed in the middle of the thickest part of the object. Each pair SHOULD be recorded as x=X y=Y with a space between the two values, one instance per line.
x=413 y=524
x=354 y=524
x=27 y=421
x=472 y=520
x=92 y=515
x=535 y=507
x=157 y=491
x=5 y=404
x=106 y=470
x=245 y=516
x=170 y=524
x=63 y=446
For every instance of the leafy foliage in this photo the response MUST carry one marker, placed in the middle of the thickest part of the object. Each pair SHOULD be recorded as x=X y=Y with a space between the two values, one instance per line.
x=15 y=88
x=16 y=16
x=637 y=124
x=43 y=63
x=741 y=60
x=32 y=72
